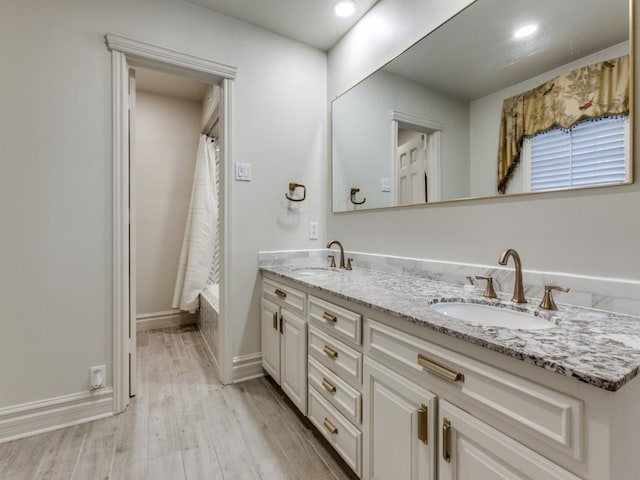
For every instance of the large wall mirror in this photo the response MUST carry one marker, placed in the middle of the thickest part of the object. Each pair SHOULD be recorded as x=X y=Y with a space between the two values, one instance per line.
x=509 y=96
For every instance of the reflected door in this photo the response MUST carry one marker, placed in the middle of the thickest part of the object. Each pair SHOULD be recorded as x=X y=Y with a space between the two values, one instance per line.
x=411 y=179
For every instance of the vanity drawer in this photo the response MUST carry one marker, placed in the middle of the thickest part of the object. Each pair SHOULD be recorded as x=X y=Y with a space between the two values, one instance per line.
x=540 y=412
x=342 y=322
x=341 y=434
x=284 y=296
x=342 y=396
x=335 y=355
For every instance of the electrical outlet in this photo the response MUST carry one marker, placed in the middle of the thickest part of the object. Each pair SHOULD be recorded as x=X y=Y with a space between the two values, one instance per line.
x=97 y=377
x=313 y=231
x=385 y=185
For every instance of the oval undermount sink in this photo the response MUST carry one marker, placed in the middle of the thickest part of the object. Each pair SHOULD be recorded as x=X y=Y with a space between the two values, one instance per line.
x=491 y=316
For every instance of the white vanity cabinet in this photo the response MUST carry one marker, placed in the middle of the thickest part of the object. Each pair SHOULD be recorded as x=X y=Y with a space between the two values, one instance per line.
x=465 y=446
x=399 y=401
x=284 y=339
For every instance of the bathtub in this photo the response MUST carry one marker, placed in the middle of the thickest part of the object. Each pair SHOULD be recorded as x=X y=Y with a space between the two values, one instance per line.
x=209 y=316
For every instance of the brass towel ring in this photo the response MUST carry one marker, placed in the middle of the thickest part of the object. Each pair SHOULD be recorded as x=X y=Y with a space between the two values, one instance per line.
x=292 y=187
x=355 y=190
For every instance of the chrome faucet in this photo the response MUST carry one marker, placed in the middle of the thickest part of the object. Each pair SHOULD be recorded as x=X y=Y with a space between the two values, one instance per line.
x=518 y=291
x=336 y=242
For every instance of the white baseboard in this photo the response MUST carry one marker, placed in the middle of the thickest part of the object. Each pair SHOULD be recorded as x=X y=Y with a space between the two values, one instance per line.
x=169 y=318
x=247 y=367
x=51 y=414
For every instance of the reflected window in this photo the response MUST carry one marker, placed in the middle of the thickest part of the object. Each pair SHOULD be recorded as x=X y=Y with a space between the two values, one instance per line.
x=590 y=153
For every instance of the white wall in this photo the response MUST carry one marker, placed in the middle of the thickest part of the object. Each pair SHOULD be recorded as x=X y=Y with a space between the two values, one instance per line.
x=363 y=150
x=593 y=232
x=56 y=173
x=167 y=133
x=486 y=113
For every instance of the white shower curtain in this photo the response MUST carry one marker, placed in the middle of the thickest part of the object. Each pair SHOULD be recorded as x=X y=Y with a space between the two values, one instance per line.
x=198 y=246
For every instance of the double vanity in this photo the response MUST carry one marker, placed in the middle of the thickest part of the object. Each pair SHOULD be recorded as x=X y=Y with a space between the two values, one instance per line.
x=412 y=378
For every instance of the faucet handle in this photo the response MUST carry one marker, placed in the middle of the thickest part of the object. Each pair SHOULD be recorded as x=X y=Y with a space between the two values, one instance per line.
x=547 y=302
x=489 y=292
x=333 y=260
x=349 y=266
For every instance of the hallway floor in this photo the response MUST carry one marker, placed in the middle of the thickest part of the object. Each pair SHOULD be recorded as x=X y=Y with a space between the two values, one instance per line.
x=182 y=425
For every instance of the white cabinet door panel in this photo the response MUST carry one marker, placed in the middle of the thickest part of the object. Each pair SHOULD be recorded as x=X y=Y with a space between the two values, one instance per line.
x=293 y=359
x=472 y=450
x=393 y=408
x=270 y=324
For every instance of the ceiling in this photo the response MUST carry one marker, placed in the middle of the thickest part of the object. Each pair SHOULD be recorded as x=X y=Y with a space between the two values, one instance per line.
x=474 y=54
x=307 y=21
x=171 y=85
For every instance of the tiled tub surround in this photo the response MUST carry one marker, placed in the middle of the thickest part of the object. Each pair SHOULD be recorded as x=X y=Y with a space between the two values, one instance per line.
x=208 y=319
x=596 y=347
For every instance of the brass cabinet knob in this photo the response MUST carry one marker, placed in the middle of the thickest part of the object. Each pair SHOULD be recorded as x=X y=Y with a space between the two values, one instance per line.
x=547 y=302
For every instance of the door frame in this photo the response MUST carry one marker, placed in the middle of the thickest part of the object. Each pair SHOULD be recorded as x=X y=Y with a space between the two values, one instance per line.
x=127 y=52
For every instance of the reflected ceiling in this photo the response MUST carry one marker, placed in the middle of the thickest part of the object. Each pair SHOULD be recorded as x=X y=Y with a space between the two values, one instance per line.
x=489 y=59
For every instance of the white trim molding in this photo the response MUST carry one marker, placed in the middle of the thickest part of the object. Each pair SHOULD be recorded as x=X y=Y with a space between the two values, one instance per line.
x=120 y=94
x=225 y=341
x=246 y=367
x=148 y=54
x=416 y=120
x=168 y=318
x=32 y=418
x=130 y=52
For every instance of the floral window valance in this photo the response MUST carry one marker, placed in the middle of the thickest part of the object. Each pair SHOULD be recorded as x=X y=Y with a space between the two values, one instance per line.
x=595 y=91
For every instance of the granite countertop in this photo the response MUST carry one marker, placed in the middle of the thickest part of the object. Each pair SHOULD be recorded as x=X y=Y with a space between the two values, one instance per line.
x=596 y=347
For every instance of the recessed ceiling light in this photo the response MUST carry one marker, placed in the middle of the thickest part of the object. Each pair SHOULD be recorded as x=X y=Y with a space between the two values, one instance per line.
x=525 y=31
x=344 y=8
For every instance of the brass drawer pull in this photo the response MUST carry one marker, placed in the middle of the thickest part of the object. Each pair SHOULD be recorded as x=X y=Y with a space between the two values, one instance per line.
x=329 y=317
x=275 y=320
x=330 y=351
x=423 y=424
x=330 y=426
x=329 y=387
x=446 y=431
x=440 y=370
x=280 y=293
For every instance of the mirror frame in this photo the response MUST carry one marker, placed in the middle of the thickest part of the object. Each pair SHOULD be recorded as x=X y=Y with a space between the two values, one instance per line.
x=564 y=191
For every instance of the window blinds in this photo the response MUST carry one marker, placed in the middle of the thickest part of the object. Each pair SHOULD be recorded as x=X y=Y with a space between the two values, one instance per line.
x=591 y=153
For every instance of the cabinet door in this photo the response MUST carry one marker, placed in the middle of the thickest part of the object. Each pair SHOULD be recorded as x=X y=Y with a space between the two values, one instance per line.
x=398 y=426
x=270 y=326
x=293 y=359
x=472 y=450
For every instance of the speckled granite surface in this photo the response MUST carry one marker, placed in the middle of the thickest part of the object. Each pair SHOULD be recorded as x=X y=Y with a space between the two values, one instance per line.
x=596 y=347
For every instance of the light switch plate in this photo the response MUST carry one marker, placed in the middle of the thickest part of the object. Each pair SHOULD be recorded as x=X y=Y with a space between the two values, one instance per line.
x=243 y=172
x=313 y=231
x=385 y=184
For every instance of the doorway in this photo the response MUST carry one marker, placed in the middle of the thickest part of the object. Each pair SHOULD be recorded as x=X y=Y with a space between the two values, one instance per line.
x=126 y=54
x=416 y=168
x=173 y=202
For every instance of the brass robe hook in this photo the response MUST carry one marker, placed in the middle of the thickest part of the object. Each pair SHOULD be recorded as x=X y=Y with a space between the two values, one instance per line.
x=355 y=190
x=292 y=187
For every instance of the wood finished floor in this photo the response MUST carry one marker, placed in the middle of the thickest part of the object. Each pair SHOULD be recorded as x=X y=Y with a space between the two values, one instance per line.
x=183 y=424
